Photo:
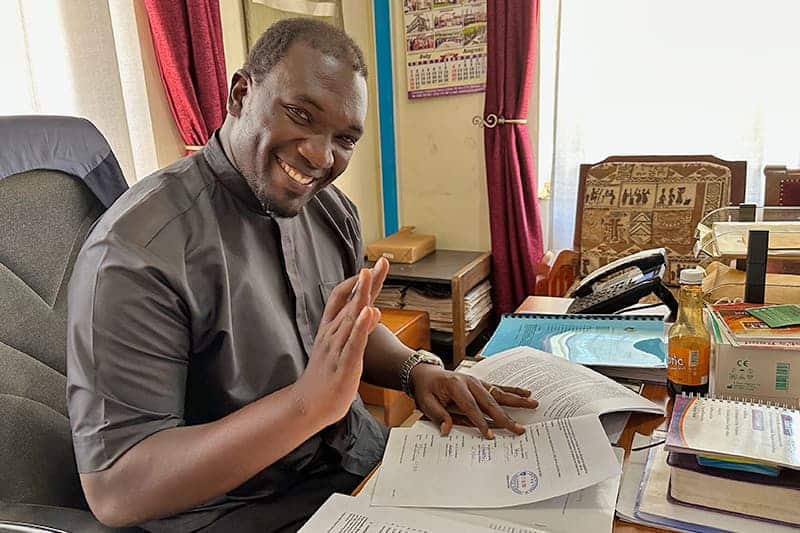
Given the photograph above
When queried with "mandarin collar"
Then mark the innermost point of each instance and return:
(229, 176)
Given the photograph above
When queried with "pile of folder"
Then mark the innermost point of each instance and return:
(391, 296)
(437, 301)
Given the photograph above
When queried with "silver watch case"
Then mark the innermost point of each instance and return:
(418, 357)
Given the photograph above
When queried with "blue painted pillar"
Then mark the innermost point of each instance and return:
(383, 52)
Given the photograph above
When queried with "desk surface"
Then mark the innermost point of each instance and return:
(638, 423)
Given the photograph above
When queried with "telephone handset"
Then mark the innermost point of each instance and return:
(624, 282)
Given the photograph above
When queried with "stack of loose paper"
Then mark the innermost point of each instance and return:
(477, 304)
(437, 301)
(561, 475)
(391, 296)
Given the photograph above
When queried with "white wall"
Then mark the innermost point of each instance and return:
(440, 165)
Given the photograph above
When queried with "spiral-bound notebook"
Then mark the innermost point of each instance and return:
(616, 345)
(743, 430)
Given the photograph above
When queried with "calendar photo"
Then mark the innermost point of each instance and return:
(445, 46)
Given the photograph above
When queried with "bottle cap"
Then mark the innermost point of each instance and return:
(692, 276)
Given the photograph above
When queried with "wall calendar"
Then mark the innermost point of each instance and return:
(445, 46)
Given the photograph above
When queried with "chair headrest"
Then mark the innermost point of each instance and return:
(68, 144)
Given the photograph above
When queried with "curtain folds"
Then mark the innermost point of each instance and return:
(511, 181)
(187, 37)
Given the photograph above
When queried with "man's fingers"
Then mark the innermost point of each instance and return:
(379, 273)
(466, 403)
(338, 299)
(511, 396)
(512, 400)
(352, 354)
(435, 411)
(341, 325)
(525, 393)
(489, 405)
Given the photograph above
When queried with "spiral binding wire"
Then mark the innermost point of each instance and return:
(741, 400)
(584, 316)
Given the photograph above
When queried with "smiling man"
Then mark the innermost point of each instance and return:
(220, 319)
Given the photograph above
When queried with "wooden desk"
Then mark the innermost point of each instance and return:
(457, 270)
(638, 423)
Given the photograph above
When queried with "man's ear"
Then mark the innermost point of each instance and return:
(240, 88)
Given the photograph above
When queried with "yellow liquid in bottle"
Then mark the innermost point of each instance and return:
(689, 346)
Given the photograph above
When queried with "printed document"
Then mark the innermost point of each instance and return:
(346, 514)
(421, 468)
(564, 389)
(589, 509)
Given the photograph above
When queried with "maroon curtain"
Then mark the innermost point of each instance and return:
(513, 205)
(187, 37)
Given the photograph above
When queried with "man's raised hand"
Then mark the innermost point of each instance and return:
(330, 381)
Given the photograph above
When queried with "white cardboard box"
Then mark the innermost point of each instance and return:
(760, 373)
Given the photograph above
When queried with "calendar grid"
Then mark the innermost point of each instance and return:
(445, 47)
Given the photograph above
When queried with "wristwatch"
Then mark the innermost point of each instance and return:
(420, 356)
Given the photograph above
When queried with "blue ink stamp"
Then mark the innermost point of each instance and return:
(523, 482)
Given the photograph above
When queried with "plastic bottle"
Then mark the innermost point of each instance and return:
(689, 344)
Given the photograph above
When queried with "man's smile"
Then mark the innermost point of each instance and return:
(293, 173)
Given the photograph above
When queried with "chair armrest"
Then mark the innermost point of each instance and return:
(24, 518)
(556, 272)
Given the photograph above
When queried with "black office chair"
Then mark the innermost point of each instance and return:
(57, 176)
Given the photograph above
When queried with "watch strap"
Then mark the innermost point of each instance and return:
(419, 356)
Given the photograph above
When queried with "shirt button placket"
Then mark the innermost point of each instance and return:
(301, 314)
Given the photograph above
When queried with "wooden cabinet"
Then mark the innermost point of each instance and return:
(413, 330)
(459, 271)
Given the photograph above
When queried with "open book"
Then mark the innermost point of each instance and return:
(738, 430)
(564, 389)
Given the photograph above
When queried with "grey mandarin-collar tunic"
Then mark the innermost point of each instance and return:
(188, 302)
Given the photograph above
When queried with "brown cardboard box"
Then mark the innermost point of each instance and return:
(405, 246)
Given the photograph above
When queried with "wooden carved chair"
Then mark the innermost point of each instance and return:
(626, 204)
(556, 272)
(782, 189)
(781, 186)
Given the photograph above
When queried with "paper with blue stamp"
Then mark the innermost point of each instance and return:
(421, 468)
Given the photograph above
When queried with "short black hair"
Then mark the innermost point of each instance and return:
(275, 42)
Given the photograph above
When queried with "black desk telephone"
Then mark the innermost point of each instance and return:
(624, 282)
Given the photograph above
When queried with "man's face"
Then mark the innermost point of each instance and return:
(294, 132)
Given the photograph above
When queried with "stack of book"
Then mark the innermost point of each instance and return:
(724, 465)
(741, 326)
(753, 358)
(736, 457)
(436, 301)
